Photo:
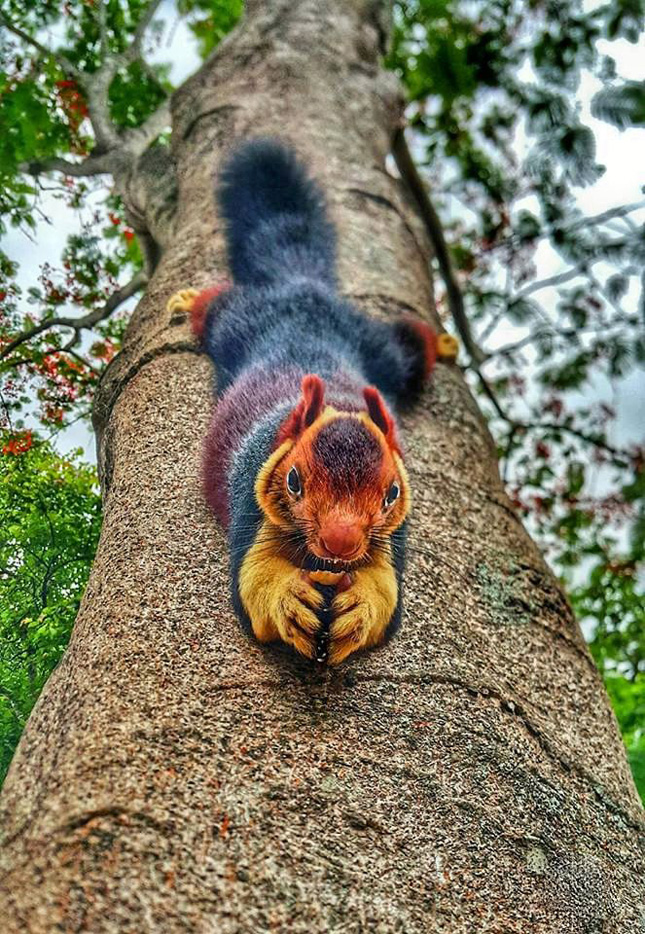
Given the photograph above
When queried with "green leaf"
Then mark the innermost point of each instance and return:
(623, 106)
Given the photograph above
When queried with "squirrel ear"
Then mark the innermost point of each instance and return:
(309, 407)
(377, 411)
(313, 397)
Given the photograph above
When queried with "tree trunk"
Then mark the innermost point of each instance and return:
(177, 777)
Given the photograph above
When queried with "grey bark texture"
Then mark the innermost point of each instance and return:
(176, 777)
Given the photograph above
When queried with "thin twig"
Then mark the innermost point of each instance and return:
(593, 221)
(620, 457)
(489, 393)
(78, 324)
(410, 174)
(605, 216)
(62, 60)
(134, 49)
(508, 450)
(102, 18)
(558, 279)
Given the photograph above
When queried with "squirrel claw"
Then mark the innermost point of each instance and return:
(181, 301)
(295, 615)
(361, 612)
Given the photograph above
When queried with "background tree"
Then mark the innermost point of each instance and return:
(114, 782)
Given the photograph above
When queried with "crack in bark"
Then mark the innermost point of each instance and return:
(515, 710)
(103, 409)
(431, 786)
(82, 820)
(222, 108)
(390, 205)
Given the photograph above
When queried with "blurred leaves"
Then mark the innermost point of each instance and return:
(51, 511)
(623, 106)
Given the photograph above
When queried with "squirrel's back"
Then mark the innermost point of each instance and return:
(276, 220)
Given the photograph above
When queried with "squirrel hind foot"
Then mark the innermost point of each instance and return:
(196, 304)
(181, 301)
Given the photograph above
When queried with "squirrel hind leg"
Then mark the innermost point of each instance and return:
(200, 308)
(419, 343)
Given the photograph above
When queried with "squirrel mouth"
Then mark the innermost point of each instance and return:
(314, 563)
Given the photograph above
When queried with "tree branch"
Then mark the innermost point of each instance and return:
(558, 279)
(620, 457)
(93, 165)
(134, 50)
(102, 18)
(97, 86)
(139, 138)
(410, 174)
(79, 324)
(62, 60)
(594, 221)
(488, 392)
(605, 216)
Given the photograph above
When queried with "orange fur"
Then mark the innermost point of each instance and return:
(430, 342)
(322, 505)
(199, 309)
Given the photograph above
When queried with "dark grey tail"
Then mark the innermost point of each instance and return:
(276, 221)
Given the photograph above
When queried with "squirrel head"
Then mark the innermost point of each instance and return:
(336, 478)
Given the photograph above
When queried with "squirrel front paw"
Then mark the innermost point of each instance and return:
(280, 601)
(361, 613)
(294, 605)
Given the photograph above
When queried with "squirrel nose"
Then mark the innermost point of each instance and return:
(341, 539)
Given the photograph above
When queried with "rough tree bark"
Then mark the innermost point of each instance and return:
(175, 777)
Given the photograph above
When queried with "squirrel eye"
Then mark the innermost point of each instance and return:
(392, 495)
(293, 482)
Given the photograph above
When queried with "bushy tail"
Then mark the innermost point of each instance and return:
(276, 222)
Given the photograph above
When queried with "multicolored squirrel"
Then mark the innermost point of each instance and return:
(302, 462)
